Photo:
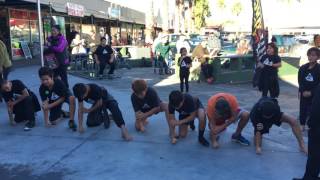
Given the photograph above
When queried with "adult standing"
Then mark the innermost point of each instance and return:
(202, 54)
(104, 55)
(5, 62)
(59, 45)
(313, 163)
(162, 52)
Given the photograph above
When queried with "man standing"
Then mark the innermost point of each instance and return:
(313, 163)
(5, 62)
(162, 52)
(201, 54)
(104, 55)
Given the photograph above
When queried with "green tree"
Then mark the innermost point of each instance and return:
(221, 4)
(201, 10)
(237, 8)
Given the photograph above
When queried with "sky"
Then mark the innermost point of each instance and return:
(276, 14)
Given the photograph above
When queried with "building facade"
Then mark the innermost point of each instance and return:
(91, 19)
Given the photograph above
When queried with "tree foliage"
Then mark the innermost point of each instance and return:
(201, 10)
(221, 4)
(237, 8)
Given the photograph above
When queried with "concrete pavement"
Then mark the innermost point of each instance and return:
(58, 153)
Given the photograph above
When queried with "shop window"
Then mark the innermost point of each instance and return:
(20, 32)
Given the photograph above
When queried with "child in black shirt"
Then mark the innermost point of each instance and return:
(189, 108)
(21, 102)
(308, 78)
(101, 100)
(184, 63)
(265, 113)
(53, 94)
(145, 102)
(268, 81)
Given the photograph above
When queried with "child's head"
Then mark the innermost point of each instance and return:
(103, 41)
(5, 86)
(183, 51)
(176, 99)
(316, 39)
(139, 88)
(272, 49)
(80, 91)
(223, 109)
(46, 76)
(313, 54)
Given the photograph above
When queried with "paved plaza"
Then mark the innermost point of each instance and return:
(58, 153)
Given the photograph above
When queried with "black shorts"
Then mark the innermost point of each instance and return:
(56, 112)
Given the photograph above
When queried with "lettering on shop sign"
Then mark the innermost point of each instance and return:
(26, 50)
(75, 9)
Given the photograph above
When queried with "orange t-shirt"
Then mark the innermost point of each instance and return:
(232, 100)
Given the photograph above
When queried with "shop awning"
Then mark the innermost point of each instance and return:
(96, 8)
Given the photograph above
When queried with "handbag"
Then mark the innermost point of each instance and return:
(51, 61)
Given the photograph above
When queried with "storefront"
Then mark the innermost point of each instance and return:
(92, 20)
(23, 27)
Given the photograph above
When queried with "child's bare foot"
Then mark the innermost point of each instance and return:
(174, 140)
(258, 151)
(303, 149)
(127, 137)
(215, 144)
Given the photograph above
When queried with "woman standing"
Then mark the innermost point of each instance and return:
(270, 63)
(59, 45)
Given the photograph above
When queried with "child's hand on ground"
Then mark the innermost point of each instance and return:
(258, 151)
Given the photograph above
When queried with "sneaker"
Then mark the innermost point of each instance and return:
(29, 125)
(72, 125)
(240, 139)
(203, 141)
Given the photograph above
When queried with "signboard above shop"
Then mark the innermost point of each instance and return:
(114, 12)
(75, 9)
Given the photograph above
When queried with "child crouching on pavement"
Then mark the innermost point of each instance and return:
(101, 100)
(189, 108)
(53, 94)
(21, 102)
(146, 103)
(265, 113)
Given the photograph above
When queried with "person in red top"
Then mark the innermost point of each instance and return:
(223, 110)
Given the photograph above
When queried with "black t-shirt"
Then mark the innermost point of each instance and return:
(96, 93)
(189, 106)
(268, 59)
(150, 101)
(314, 121)
(184, 63)
(16, 91)
(104, 53)
(261, 124)
(308, 78)
(58, 91)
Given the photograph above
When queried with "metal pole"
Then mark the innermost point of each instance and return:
(40, 32)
